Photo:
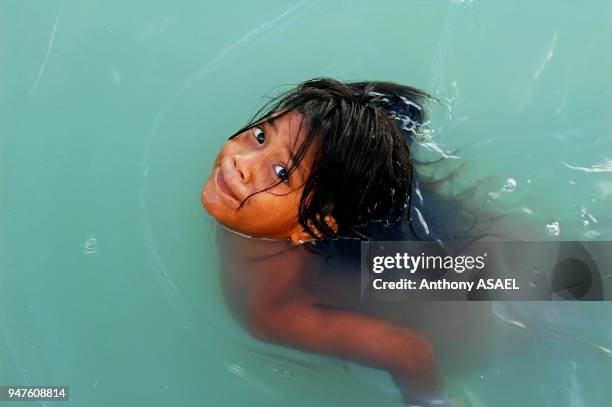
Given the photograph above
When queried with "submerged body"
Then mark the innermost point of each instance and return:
(269, 275)
(282, 294)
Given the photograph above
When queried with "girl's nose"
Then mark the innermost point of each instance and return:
(242, 165)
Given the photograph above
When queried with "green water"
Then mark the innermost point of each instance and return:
(111, 114)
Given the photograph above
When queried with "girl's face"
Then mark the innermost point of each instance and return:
(251, 163)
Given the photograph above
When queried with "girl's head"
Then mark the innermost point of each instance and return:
(322, 160)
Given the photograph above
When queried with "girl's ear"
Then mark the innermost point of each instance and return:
(300, 235)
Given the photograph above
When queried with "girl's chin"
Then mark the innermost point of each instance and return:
(210, 197)
(207, 199)
(216, 208)
(213, 207)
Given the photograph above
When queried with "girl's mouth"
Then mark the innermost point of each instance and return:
(223, 187)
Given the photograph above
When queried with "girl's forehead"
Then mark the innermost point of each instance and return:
(296, 126)
(290, 126)
(291, 121)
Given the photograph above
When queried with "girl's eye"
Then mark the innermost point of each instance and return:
(281, 173)
(259, 135)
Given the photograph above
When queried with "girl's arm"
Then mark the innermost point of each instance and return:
(301, 323)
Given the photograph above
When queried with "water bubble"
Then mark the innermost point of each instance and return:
(585, 213)
(510, 185)
(288, 373)
(91, 245)
(553, 229)
(529, 181)
(585, 223)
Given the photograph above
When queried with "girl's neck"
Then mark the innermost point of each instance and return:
(251, 248)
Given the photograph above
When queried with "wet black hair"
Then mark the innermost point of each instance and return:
(359, 133)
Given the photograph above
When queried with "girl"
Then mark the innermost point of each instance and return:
(324, 161)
